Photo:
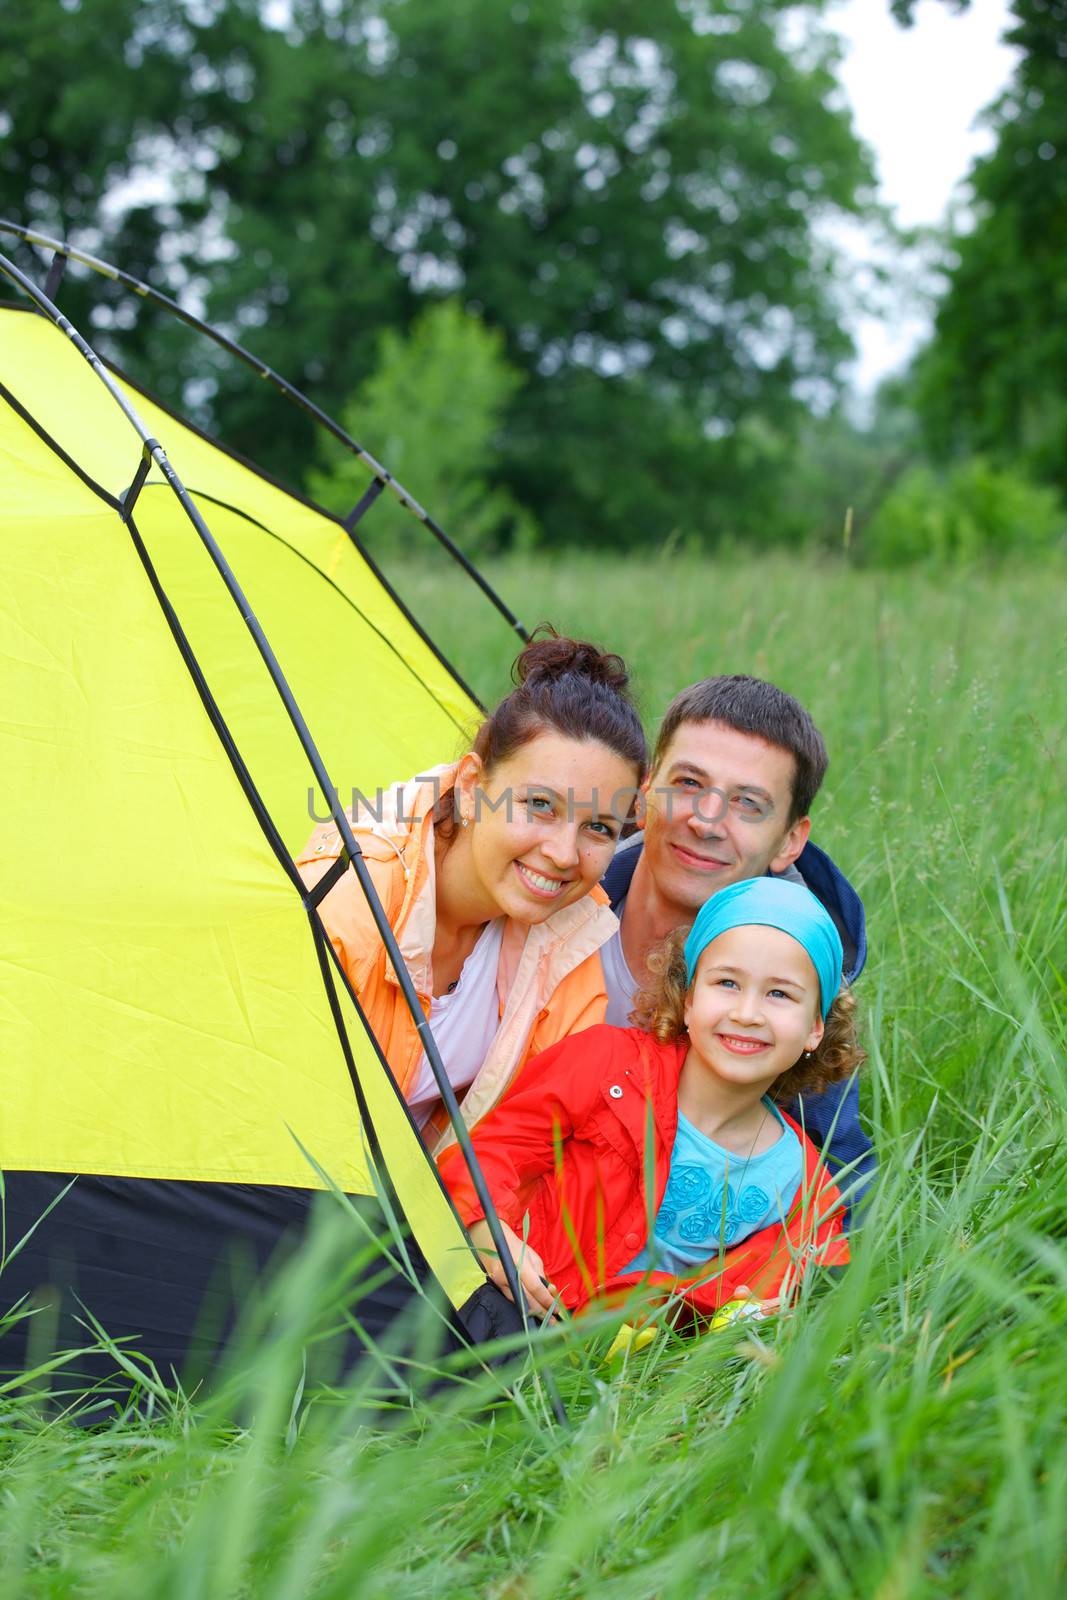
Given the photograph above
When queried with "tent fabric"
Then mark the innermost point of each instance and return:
(167, 1008)
(381, 703)
(132, 1251)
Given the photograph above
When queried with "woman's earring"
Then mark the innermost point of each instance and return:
(465, 821)
(807, 1053)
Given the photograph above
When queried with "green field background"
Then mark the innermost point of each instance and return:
(901, 1433)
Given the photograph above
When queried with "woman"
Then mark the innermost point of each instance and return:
(487, 870)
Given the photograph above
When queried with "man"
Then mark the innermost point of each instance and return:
(736, 767)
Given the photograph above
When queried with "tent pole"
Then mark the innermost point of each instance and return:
(144, 291)
(151, 448)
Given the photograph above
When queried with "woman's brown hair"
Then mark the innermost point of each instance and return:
(572, 686)
(567, 684)
(659, 1008)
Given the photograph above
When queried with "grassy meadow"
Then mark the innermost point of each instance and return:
(902, 1433)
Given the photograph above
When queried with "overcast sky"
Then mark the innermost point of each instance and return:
(915, 94)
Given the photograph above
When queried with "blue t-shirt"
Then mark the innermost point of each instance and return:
(715, 1198)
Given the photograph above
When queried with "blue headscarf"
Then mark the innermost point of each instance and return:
(772, 903)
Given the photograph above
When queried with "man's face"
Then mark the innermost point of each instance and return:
(716, 812)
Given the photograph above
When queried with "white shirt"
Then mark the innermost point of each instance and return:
(619, 981)
(464, 1024)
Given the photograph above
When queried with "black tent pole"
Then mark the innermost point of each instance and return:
(153, 450)
(379, 474)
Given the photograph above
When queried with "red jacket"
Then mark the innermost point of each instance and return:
(566, 1145)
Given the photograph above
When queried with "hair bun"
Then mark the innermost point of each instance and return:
(552, 655)
(571, 687)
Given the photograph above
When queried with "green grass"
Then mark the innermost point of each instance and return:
(900, 1434)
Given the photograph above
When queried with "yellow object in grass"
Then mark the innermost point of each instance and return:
(631, 1339)
(735, 1311)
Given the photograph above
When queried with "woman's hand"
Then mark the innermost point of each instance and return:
(540, 1295)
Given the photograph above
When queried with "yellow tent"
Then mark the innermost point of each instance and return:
(173, 1021)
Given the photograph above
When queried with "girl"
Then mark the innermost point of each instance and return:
(743, 1013)
(487, 871)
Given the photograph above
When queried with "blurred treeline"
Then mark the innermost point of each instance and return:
(566, 266)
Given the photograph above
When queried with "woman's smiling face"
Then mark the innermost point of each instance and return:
(544, 823)
(753, 1008)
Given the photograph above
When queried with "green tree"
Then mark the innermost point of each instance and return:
(904, 10)
(994, 378)
(87, 113)
(437, 436)
(631, 194)
(972, 511)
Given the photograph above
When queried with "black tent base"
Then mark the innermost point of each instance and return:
(198, 1278)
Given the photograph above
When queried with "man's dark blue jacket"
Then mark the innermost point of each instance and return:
(833, 1117)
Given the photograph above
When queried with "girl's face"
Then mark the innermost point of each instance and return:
(753, 1007)
(541, 825)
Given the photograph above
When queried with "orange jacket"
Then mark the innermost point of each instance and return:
(549, 982)
(602, 1096)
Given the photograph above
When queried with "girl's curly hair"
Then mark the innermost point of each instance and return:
(659, 1008)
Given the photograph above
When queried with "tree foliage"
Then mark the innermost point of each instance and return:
(973, 511)
(630, 194)
(904, 10)
(994, 378)
(437, 435)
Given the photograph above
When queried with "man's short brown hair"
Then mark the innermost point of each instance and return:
(749, 705)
